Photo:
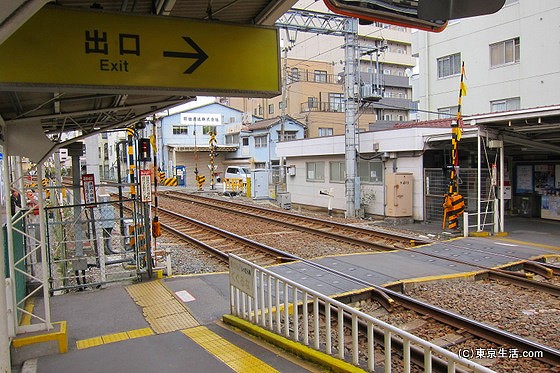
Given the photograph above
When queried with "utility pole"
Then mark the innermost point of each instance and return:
(289, 42)
(352, 183)
(330, 24)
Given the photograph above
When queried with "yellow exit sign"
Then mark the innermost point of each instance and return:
(94, 50)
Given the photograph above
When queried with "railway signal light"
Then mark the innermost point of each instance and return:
(144, 150)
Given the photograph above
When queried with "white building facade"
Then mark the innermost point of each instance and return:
(316, 165)
(511, 61)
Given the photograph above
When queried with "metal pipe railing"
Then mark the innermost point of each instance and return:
(271, 301)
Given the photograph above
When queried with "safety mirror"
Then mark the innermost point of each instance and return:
(430, 15)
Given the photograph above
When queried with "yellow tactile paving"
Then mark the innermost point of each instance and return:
(161, 309)
(140, 333)
(87, 343)
(111, 338)
(231, 355)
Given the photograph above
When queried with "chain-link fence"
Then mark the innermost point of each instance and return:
(90, 245)
(436, 186)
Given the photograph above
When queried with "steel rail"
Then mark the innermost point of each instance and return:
(275, 215)
(490, 333)
(277, 256)
(550, 355)
(282, 256)
(524, 282)
(416, 354)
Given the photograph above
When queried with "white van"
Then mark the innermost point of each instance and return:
(237, 172)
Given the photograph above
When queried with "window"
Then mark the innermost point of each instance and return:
(260, 141)
(312, 102)
(370, 171)
(288, 135)
(180, 130)
(336, 102)
(386, 71)
(447, 112)
(505, 104)
(320, 76)
(294, 76)
(271, 109)
(449, 65)
(206, 130)
(325, 132)
(232, 139)
(245, 141)
(504, 52)
(315, 171)
(260, 110)
(337, 171)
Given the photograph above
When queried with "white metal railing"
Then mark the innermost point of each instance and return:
(485, 219)
(271, 301)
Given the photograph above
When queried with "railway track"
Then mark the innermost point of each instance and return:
(468, 326)
(365, 238)
(463, 324)
(219, 242)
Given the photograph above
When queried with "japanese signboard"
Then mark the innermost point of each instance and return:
(145, 185)
(88, 185)
(94, 49)
(241, 276)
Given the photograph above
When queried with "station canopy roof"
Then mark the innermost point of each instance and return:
(60, 111)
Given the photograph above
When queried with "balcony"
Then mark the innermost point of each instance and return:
(386, 80)
(312, 76)
(392, 103)
(325, 107)
(331, 107)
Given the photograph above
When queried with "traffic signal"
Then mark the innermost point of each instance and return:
(144, 150)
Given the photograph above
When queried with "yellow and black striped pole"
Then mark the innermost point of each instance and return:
(212, 143)
(454, 204)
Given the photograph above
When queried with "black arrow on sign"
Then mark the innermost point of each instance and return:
(199, 55)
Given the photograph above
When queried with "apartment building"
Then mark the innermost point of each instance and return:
(512, 77)
(511, 61)
(314, 76)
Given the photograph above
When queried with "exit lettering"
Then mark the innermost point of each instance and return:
(119, 66)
